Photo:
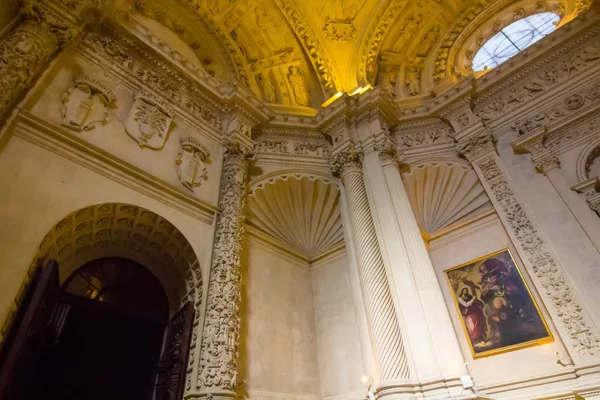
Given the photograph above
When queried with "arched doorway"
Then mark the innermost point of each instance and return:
(92, 324)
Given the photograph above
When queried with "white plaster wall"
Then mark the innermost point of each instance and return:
(278, 352)
(341, 365)
(38, 188)
(473, 241)
(45, 102)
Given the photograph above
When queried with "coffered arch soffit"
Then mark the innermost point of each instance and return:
(124, 230)
(301, 209)
(444, 191)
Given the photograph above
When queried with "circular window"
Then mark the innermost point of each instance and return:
(514, 38)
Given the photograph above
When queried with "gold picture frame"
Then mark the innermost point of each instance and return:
(497, 311)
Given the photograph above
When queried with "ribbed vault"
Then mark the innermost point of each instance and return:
(444, 193)
(301, 211)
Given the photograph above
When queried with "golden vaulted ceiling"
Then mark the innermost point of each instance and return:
(297, 54)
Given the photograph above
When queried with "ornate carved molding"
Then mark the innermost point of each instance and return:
(502, 99)
(477, 145)
(220, 338)
(549, 273)
(346, 161)
(191, 163)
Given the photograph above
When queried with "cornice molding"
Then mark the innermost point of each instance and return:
(40, 132)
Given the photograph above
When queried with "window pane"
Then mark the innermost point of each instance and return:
(514, 38)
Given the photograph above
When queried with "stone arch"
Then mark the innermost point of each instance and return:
(122, 230)
(586, 158)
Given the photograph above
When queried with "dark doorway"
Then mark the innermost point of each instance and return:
(108, 328)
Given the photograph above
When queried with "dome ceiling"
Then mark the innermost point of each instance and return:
(302, 212)
(297, 54)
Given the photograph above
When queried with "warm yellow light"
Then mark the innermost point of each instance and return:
(361, 90)
(332, 99)
(365, 379)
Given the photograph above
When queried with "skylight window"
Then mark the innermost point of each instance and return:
(514, 38)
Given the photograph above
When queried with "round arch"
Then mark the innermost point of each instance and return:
(585, 159)
(127, 231)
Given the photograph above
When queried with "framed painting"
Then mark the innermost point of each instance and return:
(495, 306)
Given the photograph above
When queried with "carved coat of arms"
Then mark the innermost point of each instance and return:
(191, 163)
(86, 103)
(148, 122)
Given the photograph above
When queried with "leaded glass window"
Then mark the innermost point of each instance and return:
(514, 38)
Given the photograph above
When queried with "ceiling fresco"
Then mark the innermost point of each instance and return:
(294, 55)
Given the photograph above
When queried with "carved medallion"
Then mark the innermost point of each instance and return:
(86, 103)
(191, 163)
(148, 123)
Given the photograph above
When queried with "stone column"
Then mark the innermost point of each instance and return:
(571, 318)
(217, 373)
(384, 328)
(588, 220)
(443, 338)
(25, 51)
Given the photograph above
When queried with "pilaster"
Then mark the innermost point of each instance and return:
(572, 321)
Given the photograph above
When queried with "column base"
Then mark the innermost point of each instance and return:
(435, 390)
(212, 394)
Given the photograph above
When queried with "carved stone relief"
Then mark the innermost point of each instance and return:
(546, 79)
(574, 319)
(86, 103)
(299, 88)
(148, 122)
(191, 163)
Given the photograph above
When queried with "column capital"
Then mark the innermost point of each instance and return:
(546, 163)
(346, 160)
(477, 145)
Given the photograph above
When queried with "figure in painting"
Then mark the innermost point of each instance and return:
(299, 88)
(407, 33)
(269, 27)
(496, 308)
(428, 41)
(471, 309)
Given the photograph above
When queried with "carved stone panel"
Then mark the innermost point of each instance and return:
(191, 163)
(86, 103)
(148, 123)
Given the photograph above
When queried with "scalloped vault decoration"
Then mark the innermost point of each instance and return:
(300, 211)
(443, 193)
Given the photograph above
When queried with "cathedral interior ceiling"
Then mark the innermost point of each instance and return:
(299, 54)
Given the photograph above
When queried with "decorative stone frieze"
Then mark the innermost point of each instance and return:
(494, 104)
(137, 69)
(218, 371)
(547, 163)
(86, 103)
(191, 163)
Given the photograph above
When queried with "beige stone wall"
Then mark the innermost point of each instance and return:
(341, 365)
(45, 102)
(40, 187)
(278, 349)
(523, 367)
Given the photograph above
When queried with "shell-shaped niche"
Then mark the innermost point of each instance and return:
(442, 194)
(302, 212)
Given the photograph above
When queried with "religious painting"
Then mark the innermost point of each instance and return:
(496, 308)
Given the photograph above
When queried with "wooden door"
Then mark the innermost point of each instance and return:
(35, 330)
(171, 371)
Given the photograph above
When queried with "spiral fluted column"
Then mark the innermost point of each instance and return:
(384, 327)
(443, 338)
